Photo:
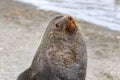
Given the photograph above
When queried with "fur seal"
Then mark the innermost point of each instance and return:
(61, 55)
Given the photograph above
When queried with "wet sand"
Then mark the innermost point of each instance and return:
(22, 27)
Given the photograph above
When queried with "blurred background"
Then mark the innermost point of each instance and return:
(23, 22)
(102, 12)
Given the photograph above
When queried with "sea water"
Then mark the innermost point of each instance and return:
(102, 12)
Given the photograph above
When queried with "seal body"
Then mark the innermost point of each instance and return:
(61, 55)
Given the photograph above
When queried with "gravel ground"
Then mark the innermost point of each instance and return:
(22, 27)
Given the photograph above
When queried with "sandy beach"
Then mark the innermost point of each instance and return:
(21, 29)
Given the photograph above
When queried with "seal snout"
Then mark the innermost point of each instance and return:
(70, 24)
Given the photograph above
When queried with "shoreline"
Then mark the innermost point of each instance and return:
(22, 26)
(96, 16)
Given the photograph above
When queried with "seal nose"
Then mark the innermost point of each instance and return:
(70, 18)
(70, 24)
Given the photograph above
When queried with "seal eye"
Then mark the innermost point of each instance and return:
(57, 25)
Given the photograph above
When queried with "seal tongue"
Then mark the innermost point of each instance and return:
(70, 24)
